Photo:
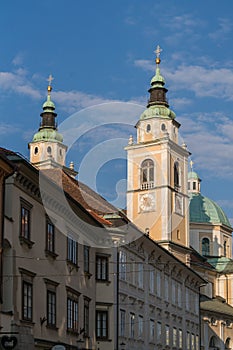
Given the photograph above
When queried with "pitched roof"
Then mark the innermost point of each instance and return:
(216, 305)
(91, 201)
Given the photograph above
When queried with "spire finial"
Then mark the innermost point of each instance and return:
(50, 79)
(158, 52)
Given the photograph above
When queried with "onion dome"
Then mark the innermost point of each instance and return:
(158, 105)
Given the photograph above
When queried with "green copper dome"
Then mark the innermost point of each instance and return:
(193, 175)
(47, 134)
(205, 210)
(48, 104)
(157, 78)
(158, 111)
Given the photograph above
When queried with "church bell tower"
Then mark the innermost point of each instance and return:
(47, 150)
(157, 194)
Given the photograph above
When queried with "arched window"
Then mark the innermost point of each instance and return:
(225, 248)
(176, 175)
(205, 246)
(147, 174)
(228, 343)
(213, 343)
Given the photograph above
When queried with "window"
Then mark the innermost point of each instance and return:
(174, 337)
(179, 297)
(148, 128)
(180, 339)
(140, 275)
(188, 341)
(166, 288)
(192, 342)
(176, 175)
(205, 246)
(147, 174)
(27, 294)
(72, 311)
(86, 251)
(140, 326)
(25, 221)
(173, 292)
(187, 298)
(27, 301)
(152, 281)
(197, 342)
(152, 330)
(158, 283)
(51, 308)
(101, 268)
(101, 324)
(159, 332)
(72, 251)
(122, 265)
(225, 248)
(122, 323)
(167, 335)
(194, 186)
(133, 270)
(51, 302)
(86, 317)
(131, 324)
(50, 237)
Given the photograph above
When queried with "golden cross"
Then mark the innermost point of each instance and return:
(50, 79)
(158, 51)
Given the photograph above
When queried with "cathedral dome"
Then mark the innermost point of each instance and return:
(47, 134)
(159, 112)
(205, 210)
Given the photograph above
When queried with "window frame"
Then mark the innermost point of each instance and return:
(29, 308)
(102, 331)
(86, 316)
(72, 251)
(50, 238)
(102, 268)
(86, 259)
(51, 308)
(147, 174)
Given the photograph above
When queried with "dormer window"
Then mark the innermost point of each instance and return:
(147, 174)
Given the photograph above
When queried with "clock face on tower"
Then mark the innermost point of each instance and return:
(147, 202)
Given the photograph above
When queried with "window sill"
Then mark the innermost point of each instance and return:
(28, 322)
(104, 339)
(72, 332)
(53, 327)
(50, 254)
(107, 282)
(72, 265)
(26, 241)
(87, 274)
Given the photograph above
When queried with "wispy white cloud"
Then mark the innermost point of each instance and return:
(19, 82)
(223, 31)
(6, 129)
(212, 147)
(204, 82)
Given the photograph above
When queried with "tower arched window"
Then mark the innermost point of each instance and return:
(147, 174)
(176, 175)
(225, 248)
(205, 246)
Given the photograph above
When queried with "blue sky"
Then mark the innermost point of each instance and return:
(102, 52)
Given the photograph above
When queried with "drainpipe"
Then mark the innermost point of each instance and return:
(117, 301)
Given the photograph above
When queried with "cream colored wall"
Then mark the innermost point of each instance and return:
(35, 260)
